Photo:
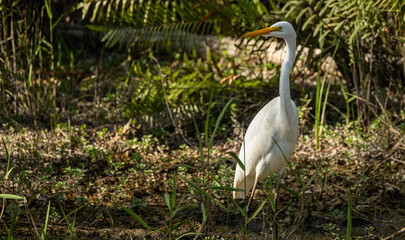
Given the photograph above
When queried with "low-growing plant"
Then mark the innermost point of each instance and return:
(170, 200)
(70, 223)
(331, 231)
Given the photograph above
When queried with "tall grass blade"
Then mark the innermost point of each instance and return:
(221, 115)
(179, 224)
(229, 189)
(173, 192)
(271, 188)
(10, 196)
(318, 100)
(167, 200)
(72, 227)
(64, 217)
(186, 234)
(77, 209)
(9, 168)
(258, 210)
(43, 236)
(294, 193)
(203, 212)
(314, 175)
(136, 217)
(30, 76)
(241, 210)
(349, 216)
(321, 100)
(199, 140)
(325, 102)
(207, 120)
(179, 209)
(48, 8)
(289, 164)
(204, 192)
(240, 163)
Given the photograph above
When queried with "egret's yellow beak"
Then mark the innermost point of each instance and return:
(263, 31)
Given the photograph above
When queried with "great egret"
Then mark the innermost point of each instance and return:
(275, 122)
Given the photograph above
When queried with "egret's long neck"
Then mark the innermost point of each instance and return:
(286, 67)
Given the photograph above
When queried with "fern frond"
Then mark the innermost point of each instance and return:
(180, 34)
(169, 22)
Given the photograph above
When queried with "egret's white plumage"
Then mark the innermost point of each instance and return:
(277, 120)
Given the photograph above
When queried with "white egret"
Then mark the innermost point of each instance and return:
(277, 121)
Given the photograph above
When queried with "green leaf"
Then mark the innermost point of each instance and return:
(173, 191)
(74, 211)
(8, 173)
(97, 28)
(10, 196)
(57, 21)
(221, 115)
(208, 55)
(199, 139)
(229, 189)
(187, 61)
(337, 27)
(297, 195)
(43, 40)
(288, 163)
(258, 210)
(167, 200)
(48, 8)
(402, 39)
(351, 99)
(179, 224)
(314, 175)
(304, 26)
(349, 216)
(43, 235)
(178, 209)
(203, 212)
(208, 75)
(241, 165)
(241, 210)
(9, 168)
(302, 12)
(205, 193)
(318, 27)
(318, 6)
(322, 37)
(95, 11)
(366, 36)
(325, 8)
(30, 76)
(207, 120)
(137, 218)
(72, 226)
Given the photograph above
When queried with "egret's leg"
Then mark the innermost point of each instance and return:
(251, 196)
(279, 176)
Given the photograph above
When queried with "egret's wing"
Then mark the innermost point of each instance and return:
(258, 139)
(257, 143)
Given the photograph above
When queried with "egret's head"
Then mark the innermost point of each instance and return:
(281, 29)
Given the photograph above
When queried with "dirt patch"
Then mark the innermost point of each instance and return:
(94, 171)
